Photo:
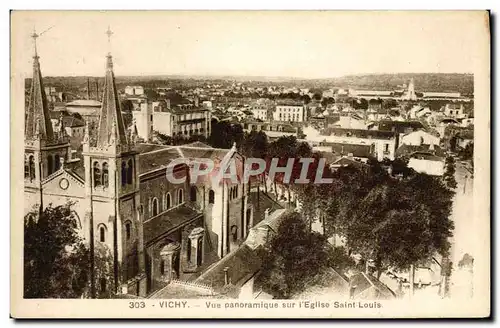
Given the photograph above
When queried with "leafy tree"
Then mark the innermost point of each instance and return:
(449, 173)
(56, 261)
(317, 96)
(294, 257)
(224, 134)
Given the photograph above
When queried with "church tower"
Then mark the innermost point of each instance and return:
(112, 187)
(45, 151)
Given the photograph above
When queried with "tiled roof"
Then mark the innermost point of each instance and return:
(160, 158)
(168, 221)
(346, 161)
(358, 133)
(357, 150)
(400, 126)
(363, 282)
(242, 264)
(408, 150)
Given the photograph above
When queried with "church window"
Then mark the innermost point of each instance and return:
(211, 196)
(124, 174)
(105, 174)
(128, 228)
(97, 174)
(26, 169)
(168, 201)
(50, 164)
(234, 233)
(181, 196)
(162, 267)
(130, 170)
(193, 194)
(102, 234)
(57, 162)
(189, 249)
(156, 208)
(31, 164)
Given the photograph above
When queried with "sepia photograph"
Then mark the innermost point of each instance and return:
(250, 164)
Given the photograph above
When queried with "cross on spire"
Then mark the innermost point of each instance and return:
(35, 36)
(109, 33)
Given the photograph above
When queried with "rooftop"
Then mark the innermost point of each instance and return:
(84, 103)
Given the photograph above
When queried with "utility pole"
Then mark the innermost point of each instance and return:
(412, 280)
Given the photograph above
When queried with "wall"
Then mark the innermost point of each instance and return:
(416, 138)
(427, 166)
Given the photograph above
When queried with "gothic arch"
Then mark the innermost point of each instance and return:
(105, 174)
(97, 174)
(130, 171)
(102, 231)
(211, 196)
(180, 196)
(50, 164)
(193, 193)
(155, 210)
(168, 200)
(128, 229)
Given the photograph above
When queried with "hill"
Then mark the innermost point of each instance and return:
(431, 82)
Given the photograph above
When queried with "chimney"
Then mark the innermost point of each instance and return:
(88, 88)
(168, 103)
(226, 276)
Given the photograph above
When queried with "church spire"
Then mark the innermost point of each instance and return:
(111, 128)
(38, 109)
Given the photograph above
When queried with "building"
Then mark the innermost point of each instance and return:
(410, 92)
(383, 143)
(273, 130)
(154, 230)
(429, 159)
(454, 110)
(262, 109)
(88, 109)
(183, 119)
(290, 111)
(419, 137)
(134, 90)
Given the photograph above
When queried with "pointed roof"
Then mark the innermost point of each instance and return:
(111, 128)
(37, 113)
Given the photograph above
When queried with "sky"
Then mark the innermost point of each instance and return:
(306, 44)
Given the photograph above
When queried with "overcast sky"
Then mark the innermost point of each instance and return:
(299, 44)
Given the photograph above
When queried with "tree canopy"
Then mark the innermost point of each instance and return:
(56, 260)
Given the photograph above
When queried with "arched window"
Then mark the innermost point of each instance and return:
(31, 164)
(102, 233)
(180, 196)
(211, 196)
(192, 195)
(97, 174)
(130, 171)
(26, 168)
(124, 174)
(234, 233)
(189, 249)
(128, 230)
(156, 208)
(50, 164)
(168, 201)
(57, 162)
(105, 174)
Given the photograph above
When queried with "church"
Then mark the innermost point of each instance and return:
(155, 231)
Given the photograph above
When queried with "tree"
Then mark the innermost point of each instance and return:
(294, 257)
(317, 96)
(449, 173)
(56, 260)
(224, 134)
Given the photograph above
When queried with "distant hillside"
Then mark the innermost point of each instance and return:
(431, 82)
